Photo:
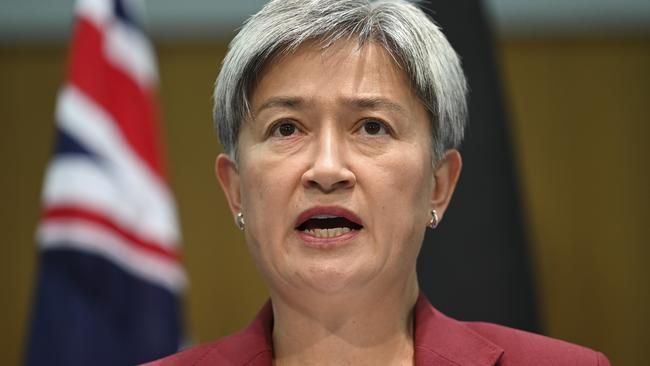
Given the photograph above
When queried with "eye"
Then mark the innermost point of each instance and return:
(283, 129)
(374, 127)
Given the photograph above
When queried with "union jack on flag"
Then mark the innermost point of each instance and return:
(109, 276)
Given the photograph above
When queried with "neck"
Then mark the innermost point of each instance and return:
(373, 328)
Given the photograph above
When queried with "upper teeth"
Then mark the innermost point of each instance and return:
(324, 217)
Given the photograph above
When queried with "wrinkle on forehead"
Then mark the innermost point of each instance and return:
(371, 58)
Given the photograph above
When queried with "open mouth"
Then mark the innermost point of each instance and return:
(328, 226)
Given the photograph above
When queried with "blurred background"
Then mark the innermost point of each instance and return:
(575, 82)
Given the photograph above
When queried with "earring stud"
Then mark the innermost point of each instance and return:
(241, 223)
(434, 219)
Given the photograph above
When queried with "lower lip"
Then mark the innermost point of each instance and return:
(327, 243)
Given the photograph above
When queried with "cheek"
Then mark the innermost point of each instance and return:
(400, 189)
(407, 179)
(263, 228)
(262, 191)
(267, 188)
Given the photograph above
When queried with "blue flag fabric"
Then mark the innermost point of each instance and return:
(110, 278)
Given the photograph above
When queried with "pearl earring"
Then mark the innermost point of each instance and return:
(434, 219)
(241, 223)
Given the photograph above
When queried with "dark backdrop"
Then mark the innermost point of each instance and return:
(475, 265)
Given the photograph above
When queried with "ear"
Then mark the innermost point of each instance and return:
(446, 176)
(228, 175)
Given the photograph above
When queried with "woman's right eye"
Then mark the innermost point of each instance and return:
(284, 129)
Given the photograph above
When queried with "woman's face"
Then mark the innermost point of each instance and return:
(335, 178)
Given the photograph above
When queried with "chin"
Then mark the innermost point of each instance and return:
(335, 278)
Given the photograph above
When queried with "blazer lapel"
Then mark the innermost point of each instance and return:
(251, 347)
(440, 340)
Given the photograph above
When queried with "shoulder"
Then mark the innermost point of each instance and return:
(190, 356)
(251, 346)
(237, 349)
(524, 348)
(453, 342)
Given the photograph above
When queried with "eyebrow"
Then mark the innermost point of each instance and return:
(282, 102)
(371, 103)
(375, 103)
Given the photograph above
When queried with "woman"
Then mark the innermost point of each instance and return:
(340, 120)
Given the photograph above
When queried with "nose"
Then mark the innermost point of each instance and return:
(329, 170)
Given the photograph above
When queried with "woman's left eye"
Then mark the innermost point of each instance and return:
(374, 127)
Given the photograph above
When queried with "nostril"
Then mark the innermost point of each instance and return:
(331, 183)
(328, 179)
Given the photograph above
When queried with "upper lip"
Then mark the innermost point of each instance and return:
(330, 211)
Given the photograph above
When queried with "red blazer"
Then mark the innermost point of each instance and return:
(439, 341)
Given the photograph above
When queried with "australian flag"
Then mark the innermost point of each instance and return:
(109, 276)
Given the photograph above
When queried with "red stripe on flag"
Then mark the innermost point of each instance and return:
(80, 213)
(132, 107)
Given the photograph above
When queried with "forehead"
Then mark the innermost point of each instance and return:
(343, 70)
(346, 50)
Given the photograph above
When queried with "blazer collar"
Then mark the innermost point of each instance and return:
(439, 340)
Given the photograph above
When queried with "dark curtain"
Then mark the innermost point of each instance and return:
(475, 265)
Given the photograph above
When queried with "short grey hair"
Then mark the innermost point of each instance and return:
(400, 27)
